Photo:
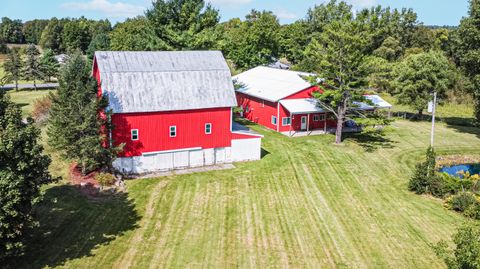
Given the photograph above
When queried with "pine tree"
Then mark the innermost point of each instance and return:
(12, 67)
(337, 55)
(32, 65)
(101, 42)
(75, 119)
(49, 66)
(23, 169)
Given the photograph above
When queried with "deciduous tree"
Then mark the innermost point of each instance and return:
(467, 50)
(419, 75)
(135, 35)
(183, 24)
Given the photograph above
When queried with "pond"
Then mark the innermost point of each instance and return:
(454, 170)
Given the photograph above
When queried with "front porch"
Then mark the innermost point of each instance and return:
(321, 132)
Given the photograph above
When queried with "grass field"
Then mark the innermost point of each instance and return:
(25, 99)
(307, 203)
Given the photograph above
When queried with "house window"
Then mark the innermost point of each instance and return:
(247, 109)
(319, 117)
(208, 128)
(134, 134)
(274, 120)
(286, 121)
(173, 131)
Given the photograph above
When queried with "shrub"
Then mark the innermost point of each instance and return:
(462, 201)
(41, 109)
(105, 179)
(473, 211)
(466, 253)
(425, 179)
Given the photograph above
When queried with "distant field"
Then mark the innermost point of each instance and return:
(25, 99)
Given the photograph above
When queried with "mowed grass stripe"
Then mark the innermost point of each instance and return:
(307, 204)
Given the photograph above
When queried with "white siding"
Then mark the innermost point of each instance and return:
(241, 150)
(246, 149)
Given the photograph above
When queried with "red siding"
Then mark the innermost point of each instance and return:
(260, 111)
(307, 93)
(153, 129)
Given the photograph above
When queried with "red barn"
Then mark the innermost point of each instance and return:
(172, 110)
(282, 100)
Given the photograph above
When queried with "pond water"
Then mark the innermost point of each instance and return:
(454, 170)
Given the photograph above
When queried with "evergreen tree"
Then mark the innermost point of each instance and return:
(337, 55)
(13, 67)
(23, 170)
(32, 69)
(75, 120)
(101, 42)
(424, 175)
(49, 66)
(3, 46)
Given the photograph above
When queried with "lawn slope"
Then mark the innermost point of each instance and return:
(307, 203)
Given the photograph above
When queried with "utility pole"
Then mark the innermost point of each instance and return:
(434, 108)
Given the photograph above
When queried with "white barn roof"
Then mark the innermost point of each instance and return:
(297, 106)
(270, 83)
(165, 81)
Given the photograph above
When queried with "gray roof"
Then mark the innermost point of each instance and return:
(165, 81)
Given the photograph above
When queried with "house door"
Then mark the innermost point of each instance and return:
(304, 123)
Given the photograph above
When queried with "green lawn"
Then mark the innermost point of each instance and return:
(26, 99)
(307, 203)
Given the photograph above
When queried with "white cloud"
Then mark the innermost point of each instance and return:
(285, 15)
(229, 2)
(111, 9)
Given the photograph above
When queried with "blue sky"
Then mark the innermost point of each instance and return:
(438, 12)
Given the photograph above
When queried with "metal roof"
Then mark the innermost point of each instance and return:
(270, 83)
(378, 101)
(297, 106)
(311, 105)
(165, 81)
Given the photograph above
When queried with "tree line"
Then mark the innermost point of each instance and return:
(28, 64)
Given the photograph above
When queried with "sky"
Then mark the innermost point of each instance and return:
(430, 12)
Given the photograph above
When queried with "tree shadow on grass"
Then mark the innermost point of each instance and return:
(370, 141)
(72, 226)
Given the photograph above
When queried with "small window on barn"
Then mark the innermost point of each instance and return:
(263, 103)
(208, 128)
(134, 134)
(286, 121)
(322, 117)
(316, 117)
(274, 120)
(173, 131)
(247, 109)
